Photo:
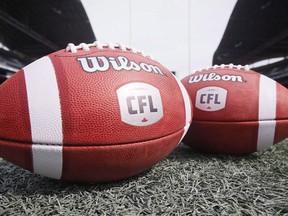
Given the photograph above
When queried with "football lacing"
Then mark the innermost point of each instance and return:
(86, 47)
(230, 66)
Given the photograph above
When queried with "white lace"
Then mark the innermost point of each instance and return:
(230, 66)
(86, 47)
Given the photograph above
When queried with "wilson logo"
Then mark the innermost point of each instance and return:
(140, 104)
(215, 77)
(103, 64)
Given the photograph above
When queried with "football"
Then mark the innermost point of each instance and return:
(92, 113)
(235, 110)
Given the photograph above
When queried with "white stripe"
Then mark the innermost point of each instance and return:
(187, 105)
(186, 127)
(45, 117)
(267, 113)
(47, 160)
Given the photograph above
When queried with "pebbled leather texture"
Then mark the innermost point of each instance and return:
(235, 111)
(60, 116)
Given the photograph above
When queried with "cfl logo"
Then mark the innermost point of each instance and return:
(211, 98)
(140, 104)
(137, 104)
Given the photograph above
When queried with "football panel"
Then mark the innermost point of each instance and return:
(89, 163)
(225, 100)
(14, 115)
(18, 154)
(223, 137)
(235, 137)
(281, 131)
(109, 163)
(90, 106)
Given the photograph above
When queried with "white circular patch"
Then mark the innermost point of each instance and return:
(140, 104)
(211, 98)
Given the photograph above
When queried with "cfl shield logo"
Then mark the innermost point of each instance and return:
(211, 98)
(140, 104)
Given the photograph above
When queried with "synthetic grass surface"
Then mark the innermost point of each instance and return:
(185, 183)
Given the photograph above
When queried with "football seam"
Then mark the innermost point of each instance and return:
(197, 120)
(101, 145)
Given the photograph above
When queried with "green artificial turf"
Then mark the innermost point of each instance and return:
(185, 183)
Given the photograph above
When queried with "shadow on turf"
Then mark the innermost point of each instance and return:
(183, 152)
(18, 181)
